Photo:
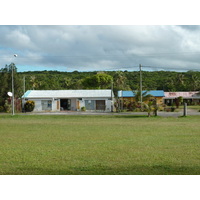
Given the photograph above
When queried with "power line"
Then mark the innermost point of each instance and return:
(91, 56)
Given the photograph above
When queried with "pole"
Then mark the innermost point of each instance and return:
(119, 100)
(24, 84)
(23, 100)
(185, 110)
(13, 96)
(13, 99)
(141, 84)
(111, 96)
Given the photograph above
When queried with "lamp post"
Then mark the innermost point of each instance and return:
(13, 98)
(112, 96)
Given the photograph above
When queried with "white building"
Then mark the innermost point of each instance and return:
(74, 100)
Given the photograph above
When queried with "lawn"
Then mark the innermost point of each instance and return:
(99, 145)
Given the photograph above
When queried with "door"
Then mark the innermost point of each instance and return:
(100, 105)
(65, 104)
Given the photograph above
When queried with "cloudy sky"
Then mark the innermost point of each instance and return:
(89, 48)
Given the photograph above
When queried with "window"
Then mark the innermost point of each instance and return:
(46, 104)
(90, 104)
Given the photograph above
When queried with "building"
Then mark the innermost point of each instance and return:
(188, 97)
(129, 95)
(70, 100)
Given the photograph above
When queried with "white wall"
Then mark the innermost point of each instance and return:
(107, 102)
(54, 105)
(38, 104)
(73, 104)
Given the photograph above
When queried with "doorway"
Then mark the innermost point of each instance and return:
(65, 104)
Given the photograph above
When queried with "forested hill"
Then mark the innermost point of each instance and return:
(122, 80)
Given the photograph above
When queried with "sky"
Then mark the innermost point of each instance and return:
(100, 47)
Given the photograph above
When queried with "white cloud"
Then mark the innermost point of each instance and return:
(101, 47)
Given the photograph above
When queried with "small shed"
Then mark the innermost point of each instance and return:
(70, 100)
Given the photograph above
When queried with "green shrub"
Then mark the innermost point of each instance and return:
(173, 109)
(1, 109)
(83, 108)
(29, 106)
(7, 106)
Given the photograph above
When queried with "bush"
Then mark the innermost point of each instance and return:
(7, 106)
(172, 109)
(29, 106)
(1, 109)
(83, 108)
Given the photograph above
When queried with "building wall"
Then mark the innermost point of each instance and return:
(189, 101)
(160, 100)
(40, 102)
(107, 102)
(38, 105)
(132, 99)
(76, 104)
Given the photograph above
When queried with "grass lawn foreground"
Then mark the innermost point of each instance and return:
(76, 145)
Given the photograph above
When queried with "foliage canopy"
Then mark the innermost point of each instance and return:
(121, 80)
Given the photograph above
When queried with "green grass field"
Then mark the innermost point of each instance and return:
(99, 145)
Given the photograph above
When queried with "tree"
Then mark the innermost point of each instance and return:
(145, 96)
(98, 81)
(151, 106)
(148, 107)
(120, 81)
(178, 101)
(180, 82)
(156, 106)
(6, 83)
(195, 82)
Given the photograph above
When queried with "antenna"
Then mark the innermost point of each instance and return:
(9, 94)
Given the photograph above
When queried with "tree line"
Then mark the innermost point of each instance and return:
(118, 80)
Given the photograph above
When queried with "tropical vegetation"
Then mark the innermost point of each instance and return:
(118, 80)
(29, 106)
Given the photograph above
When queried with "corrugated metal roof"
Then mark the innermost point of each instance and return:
(66, 93)
(155, 93)
(182, 94)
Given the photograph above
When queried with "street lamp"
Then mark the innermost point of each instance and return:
(13, 99)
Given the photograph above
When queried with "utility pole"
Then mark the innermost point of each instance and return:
(13, 97)
(112, 96)
(24, 84)
(140, 84)
(23, 100)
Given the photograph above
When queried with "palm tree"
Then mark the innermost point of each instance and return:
(120, 81)
(195, 82)
(145, 96)
(151, 106)
(148, 107)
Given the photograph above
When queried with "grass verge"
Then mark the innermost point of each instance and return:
(99, 145)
